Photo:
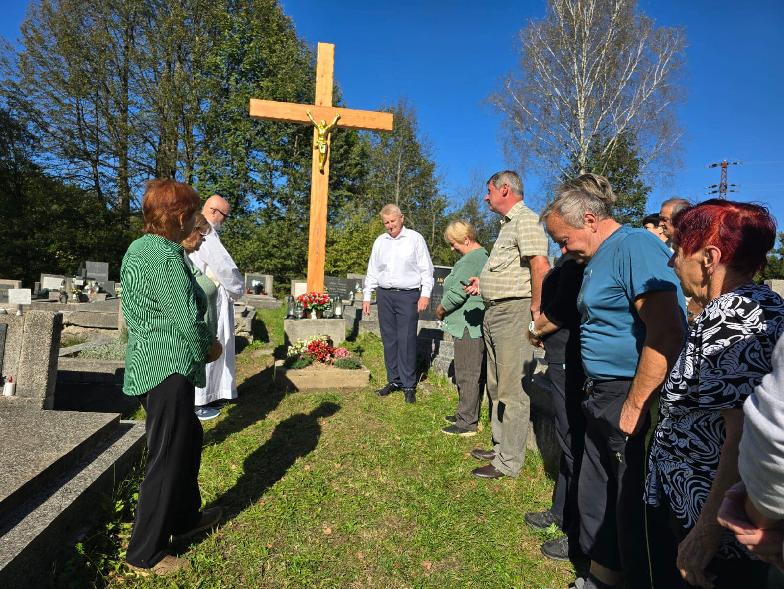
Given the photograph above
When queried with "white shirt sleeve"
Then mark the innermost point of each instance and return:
(425, 265)
(214, 256)
(371, 276)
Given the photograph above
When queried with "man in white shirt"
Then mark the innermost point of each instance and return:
(214, 261)
(401, 273)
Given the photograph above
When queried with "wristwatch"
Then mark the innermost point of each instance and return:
(532, 330)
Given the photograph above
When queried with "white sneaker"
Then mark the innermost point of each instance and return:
(205, 413)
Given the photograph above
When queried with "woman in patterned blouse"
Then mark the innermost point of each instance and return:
(719, 246)
(168, 346)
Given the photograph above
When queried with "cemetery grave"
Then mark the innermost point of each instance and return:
(56, 464)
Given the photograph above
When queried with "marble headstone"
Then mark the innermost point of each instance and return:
(5, 286)
(254, 280)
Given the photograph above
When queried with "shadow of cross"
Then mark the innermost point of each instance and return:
(292, 438)
(319, 114)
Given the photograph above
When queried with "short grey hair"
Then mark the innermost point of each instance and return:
(677, 203)
(508, 177)
(390, 209)
(588, 193)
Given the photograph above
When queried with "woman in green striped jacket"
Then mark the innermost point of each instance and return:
(168, 346)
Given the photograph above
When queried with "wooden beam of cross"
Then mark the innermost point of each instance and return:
(324, 113)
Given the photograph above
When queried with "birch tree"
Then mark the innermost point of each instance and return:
(591, 72)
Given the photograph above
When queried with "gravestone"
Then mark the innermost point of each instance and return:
(96, 271)
(357, 277)
(776, 286)
(439, 274)
(298, 287)
(52, 281)
(5, 286)
(108, 286)
(339, 288)
(254, 280)
(30, 355)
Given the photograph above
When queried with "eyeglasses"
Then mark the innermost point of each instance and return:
(225, 215)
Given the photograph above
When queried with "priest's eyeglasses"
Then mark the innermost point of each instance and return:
(216, 210)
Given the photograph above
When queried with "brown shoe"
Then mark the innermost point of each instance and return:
(209, 519)
(487, 472)
(168, 565)
(480, 454)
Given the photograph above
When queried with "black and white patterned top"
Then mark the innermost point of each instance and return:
(726, 354)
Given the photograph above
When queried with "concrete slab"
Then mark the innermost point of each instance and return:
(320, 377)
(299, 329)
(39, 444)
(33, 539)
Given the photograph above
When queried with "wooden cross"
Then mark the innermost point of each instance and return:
(322, 110)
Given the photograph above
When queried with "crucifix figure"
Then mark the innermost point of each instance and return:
(322, 140)
(321, 111)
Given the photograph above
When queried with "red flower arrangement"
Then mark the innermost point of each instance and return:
(314, 300)
(320, 351)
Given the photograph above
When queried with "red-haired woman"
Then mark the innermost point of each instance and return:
(168, 346)
(719, 246)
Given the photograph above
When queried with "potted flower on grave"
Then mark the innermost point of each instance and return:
(314, 303)
(319, 350)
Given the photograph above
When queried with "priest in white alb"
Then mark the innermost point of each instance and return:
(214, 261)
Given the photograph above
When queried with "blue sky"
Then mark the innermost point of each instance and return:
(446, 57)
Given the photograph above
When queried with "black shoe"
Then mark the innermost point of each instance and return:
(209, 519)
(541, 520)
(487, 472)
(450, 418)
(481, 454)
(557, 549)
(453, 430)
(390, 387)
(410, 395)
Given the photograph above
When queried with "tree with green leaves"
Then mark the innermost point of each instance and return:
(401, 171)
(622, 166)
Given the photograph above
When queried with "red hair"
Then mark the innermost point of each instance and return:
(166, 204)
(744, 232)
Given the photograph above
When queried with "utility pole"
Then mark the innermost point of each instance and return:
(722, 188)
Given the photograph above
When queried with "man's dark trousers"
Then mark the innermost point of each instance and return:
(570, 433)
(397, 317)
(611, 485)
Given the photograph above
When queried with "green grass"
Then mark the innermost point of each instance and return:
(330, 489)
(70, 339)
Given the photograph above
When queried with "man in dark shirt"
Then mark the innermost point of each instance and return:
(558, 330)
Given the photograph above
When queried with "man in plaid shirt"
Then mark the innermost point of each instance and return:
(510, 284)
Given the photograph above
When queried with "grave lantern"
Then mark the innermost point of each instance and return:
(290, 307)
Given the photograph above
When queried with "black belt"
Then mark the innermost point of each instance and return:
(591, 382)
(398, 289)
(494, 302)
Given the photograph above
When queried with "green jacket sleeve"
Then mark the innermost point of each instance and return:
(174, 289)
(454, 296)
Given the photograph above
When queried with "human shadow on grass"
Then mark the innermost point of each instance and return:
(256, 397)
(293, 438)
